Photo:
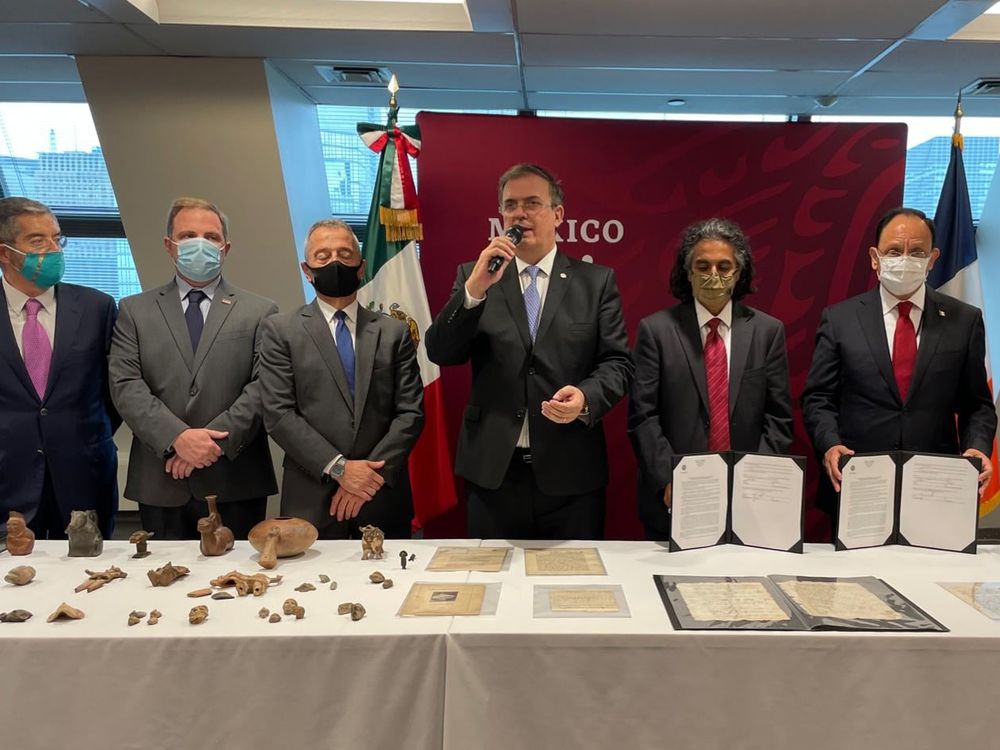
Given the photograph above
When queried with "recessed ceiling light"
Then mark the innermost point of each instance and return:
(676, 102)
(995, 8)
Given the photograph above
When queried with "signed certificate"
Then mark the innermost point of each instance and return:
(563, 561)
(443, 599)
(867, 514)
(482, 559)
(939, 502)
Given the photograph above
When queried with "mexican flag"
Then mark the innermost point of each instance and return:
(394, 285)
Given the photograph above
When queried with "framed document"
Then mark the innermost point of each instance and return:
(584, 600)
(915, 499)
(725, 603)
(447, 599)
(752, 499)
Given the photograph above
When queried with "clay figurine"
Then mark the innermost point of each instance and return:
(376, 577)
(402, 559)
(387, 583)
(344, 608)
(413, 557)
(304, 587)
(21, 575)
(98, 579)
(263, 612)
(85, 538)
(324, 578)
(289, 606)
(372, 539)
(154, 617)
(274, 618)
(255, 584)
(357, 612)
(66, 612)
(135, 617)
(20, 539)
(167, 574)
(216, 539)
(299, 612)
(140, 539)
(281, 537)
(198, 614)
(15, 615)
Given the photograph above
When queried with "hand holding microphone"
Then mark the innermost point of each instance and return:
(515, 234)
(492, 261)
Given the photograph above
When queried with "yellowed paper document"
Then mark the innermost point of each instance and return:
(844, 600)
(482, 559)
(583, 600)
(563, 561)
(729, 601)
(443, 599)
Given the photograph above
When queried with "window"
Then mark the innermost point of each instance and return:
(50, 153)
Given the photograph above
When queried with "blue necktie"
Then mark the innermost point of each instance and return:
(532, 300)
(193, 316)
(344, 347)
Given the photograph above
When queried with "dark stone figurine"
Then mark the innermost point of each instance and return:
(402, 559)
(85, 538)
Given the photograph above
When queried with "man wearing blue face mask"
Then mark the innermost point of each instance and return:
(900, 367)
(57, 452)
(183, 367)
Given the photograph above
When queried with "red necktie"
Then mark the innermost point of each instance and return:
(717, 375)
(904, 349)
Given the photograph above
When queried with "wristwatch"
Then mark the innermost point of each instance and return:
(338, 468)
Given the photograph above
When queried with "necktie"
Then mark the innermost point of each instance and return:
(344, 347)
(532, 300)
(904, 348)
(717, 376)
(195, 320)
(37, 347)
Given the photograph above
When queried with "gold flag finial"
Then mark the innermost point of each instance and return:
(393, 88)
(956, 136)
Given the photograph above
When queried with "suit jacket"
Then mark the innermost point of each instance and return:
(72, 427)
(668, 404)
(162, 388)
(309, 412)
(581, 341)
(851, 396)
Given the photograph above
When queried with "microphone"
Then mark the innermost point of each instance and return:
(515, 233)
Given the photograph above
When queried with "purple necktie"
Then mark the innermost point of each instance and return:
(37, 347)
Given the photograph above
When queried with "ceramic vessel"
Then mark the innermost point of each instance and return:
(281, 537)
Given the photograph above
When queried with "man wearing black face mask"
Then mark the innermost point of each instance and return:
(342, 397)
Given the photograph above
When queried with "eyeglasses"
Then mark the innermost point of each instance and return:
(530, 206)
(41, 244)
(896, 252)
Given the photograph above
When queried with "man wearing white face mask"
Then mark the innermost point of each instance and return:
(900, 367)
(183, 367)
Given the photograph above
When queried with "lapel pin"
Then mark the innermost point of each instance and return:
(226, 301)
(941, 313)
(562, 276)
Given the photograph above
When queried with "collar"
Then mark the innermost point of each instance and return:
(16, 298)
(328, 310)
(545, 264)
(725, 315)
(208, 289)
(889, 302)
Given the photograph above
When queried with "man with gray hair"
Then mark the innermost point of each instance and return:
(57, 427)
(183, 367)
(342, 397)
(711, 373)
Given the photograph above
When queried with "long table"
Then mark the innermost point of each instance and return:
(507, 680)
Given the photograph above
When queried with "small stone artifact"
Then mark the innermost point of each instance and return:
(135, 617)
(198, 593)
(376, 577)
(289, 606)
(344, 608)
(222, 595)
(198, 614)
(15, 615)
(305, 587)
(357, 612)
(281, 537)
(402, 559)
(20, 539)
(66, 612)
(167, 574)
(99, 578)
(333, 585)
(85, 538)
(274, 618)
(154, 617)
(387, 583)
(216, 539)
(263, 613)
(140, 539)
(413, 557)
(21, 575)
(372, 539)
(299, 612)
(324, 578)
(255, 584)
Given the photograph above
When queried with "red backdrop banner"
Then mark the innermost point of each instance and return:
(808, 195)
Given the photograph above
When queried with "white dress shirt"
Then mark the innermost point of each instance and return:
(206, 304)
(351, 321)
(725, 328)
(890, 312)
(19, 316)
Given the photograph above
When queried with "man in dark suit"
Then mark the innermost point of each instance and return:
(57, 451)
(550, 357)
(711, 374)
(900, 367)
(343, 398)
(184, 377)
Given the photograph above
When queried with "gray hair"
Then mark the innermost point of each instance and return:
(524, 169)
(11, 209)
(334, 224)
(181, 203)
(723, 230)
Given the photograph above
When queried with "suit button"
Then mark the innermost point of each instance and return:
(531, 370)
(44, 412)
(519, 414)
(40, 452)
(193, 391)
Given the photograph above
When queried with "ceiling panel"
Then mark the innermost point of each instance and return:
(488, 77)
(670, 83)
(818, 19)
(637, 103)
(419, 99)
(55, 69)
(386, 46)
(657, 52)
(926, 83)
(73, 39)
(964, 57)
(35, 92)
(41, 11)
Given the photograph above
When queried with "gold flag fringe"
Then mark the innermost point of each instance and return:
(401, 224)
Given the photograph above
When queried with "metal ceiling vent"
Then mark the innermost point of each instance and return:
(983, 87)
(354, 75)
